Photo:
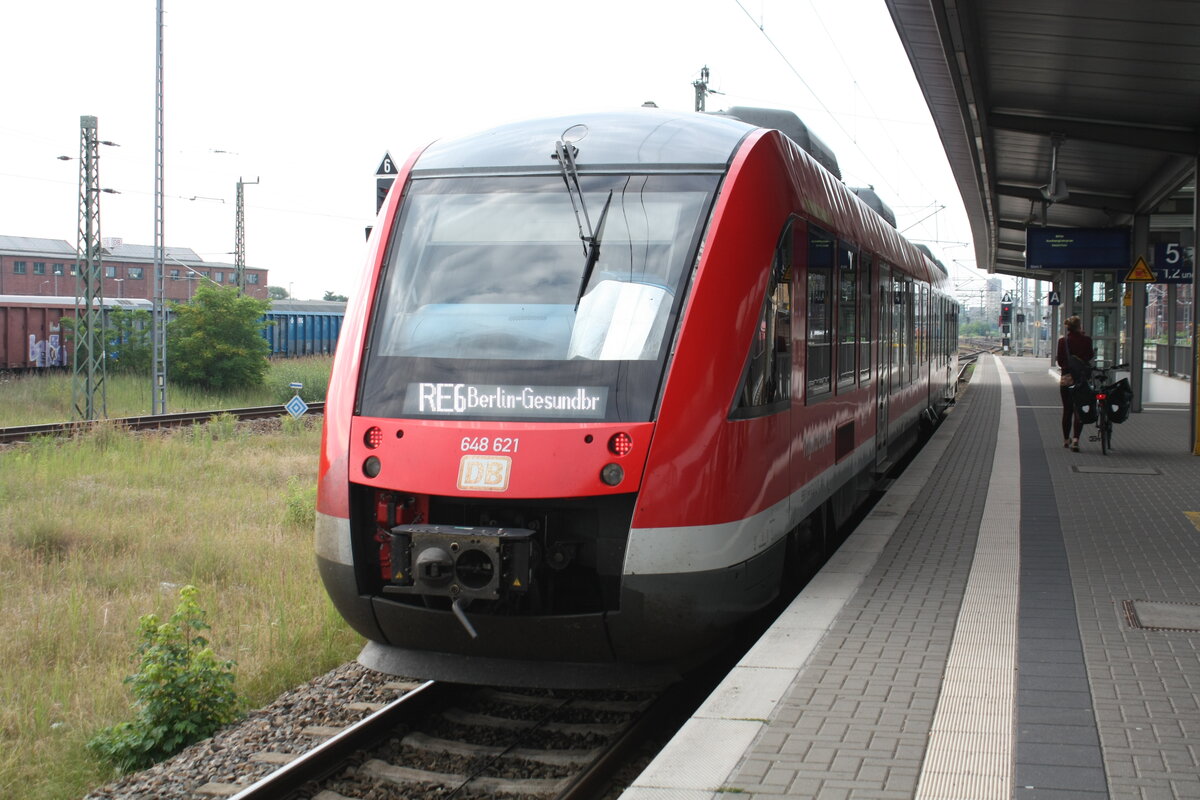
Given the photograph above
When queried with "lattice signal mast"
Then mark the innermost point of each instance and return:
(239, 236)
(87, 387)
(158, 319)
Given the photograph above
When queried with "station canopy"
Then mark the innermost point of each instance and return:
(1076, 113)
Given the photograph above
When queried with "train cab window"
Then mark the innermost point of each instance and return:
(864, 320)
(819, 355)
(847, 316)
(767, 376)
(487, 289)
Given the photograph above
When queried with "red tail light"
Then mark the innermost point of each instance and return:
(373, 437)
(620, 444)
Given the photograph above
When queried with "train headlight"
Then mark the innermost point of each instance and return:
(372, 466)
(373, 437)
(612, 474)
(620, 444)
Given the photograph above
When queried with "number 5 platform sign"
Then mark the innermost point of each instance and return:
(1172, 263)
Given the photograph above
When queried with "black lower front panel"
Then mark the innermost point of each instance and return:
(662, 618)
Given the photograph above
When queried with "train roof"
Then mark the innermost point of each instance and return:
(70, 301)
(869, 196)
(135, 303)
(791, 126)
(644, 136)
(290, 306)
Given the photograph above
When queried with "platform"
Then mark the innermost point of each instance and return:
(1013, 620)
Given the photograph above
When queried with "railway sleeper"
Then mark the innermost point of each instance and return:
(557, 758)
(471, 719)
(517, 699)
(406, 776)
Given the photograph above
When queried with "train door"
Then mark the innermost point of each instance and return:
(883, 364)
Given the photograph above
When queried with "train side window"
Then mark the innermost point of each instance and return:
(900, 329)
(924, 351)
(847, 316)
(767, 376)
(910, 347)
(819, 355)
(939, 328)
(918, 325)
(864, 320)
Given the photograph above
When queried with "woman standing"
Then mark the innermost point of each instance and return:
(1075, 353)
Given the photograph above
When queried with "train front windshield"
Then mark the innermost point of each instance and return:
(490, 309)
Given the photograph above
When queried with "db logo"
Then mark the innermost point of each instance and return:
(484, 473)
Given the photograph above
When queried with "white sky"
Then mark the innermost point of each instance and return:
(308, 97)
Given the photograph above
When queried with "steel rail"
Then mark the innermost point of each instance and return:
(328, 756)
(26, 432)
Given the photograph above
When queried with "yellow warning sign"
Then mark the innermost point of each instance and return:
(1128, 300)
(1140, 272)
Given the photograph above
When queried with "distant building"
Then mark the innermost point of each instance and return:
(47, 267)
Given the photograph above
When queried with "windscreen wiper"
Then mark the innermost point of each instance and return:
(564, 151)
(592, 247)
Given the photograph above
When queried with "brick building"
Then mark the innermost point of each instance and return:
(32, 266)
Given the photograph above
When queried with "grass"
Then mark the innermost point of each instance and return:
(38, 398)
(98, 530)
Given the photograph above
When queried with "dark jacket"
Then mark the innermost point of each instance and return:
(1078, 344)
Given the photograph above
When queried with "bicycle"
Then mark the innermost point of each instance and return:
(1105, 404)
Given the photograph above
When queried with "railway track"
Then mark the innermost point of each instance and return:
(440, 740)
(153, 422)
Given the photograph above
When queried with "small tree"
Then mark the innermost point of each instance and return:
(330, 295)
(215, 340)
(277, 293)
(182, 692)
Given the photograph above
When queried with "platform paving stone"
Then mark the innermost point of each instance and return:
(857, 719)
(1103, 709)
(1127, 538)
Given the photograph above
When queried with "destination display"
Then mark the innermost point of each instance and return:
(490, 400)
(1077, 248)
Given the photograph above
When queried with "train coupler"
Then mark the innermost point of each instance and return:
(467, 563)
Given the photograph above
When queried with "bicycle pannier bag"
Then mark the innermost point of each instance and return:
(1120, 398)
(1085, 403)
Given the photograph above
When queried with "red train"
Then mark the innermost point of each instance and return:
(608, 381)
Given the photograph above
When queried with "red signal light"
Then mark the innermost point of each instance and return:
(620, 444)
(373, 437)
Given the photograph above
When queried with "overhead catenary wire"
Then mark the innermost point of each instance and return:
(836, 119)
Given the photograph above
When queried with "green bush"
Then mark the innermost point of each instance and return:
(215, 340)
(182, 692)
(301, 508)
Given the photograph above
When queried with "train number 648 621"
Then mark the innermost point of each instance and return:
(484, 444)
